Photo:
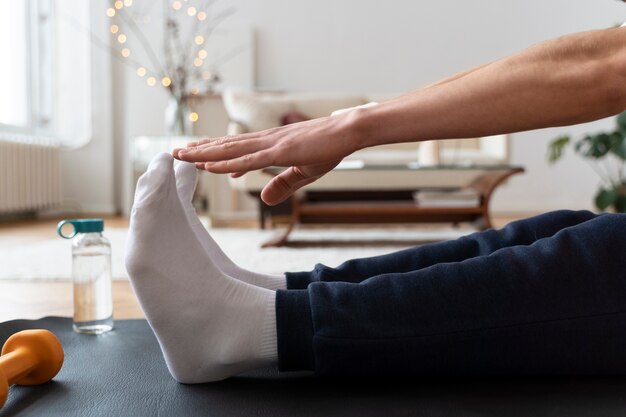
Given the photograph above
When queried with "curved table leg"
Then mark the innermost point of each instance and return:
(486, 185)
(279, 240)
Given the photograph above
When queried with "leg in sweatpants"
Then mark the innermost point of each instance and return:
(556, 306)
(521, 232)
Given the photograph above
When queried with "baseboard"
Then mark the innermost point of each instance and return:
(76, 210)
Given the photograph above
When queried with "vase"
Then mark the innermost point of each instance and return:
(177, 117)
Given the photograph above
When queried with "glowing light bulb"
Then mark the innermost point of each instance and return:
(191, 11)
(114, 29)
(141, 71)
(119, 4)
(197, 62)
(121, 38)
(201, 16)
(166, 81)
(202, 54)
(110, 12)
(199, 40)
(128, 3)
(125, 52)
(195, 91)
(193, 116)
(177, 5)
(151, 81)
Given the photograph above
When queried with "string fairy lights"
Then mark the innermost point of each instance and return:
(180, 67)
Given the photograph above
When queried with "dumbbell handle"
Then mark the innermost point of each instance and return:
(29, 357)
(17, 364)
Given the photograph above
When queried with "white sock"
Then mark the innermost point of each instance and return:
(186, 175)
(208, 329)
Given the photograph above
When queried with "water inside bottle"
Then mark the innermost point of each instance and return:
(93, 310)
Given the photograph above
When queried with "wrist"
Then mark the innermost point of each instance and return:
(361, 128)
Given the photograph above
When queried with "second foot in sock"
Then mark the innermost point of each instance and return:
(186, 180)
(209, 326)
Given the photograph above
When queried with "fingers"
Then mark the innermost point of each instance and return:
(225, 151)
(245, 163)
(199, 142)
(202, 143)
(203, 166)
(284, 185)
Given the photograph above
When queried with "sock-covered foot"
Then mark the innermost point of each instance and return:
(208, 329)
(186, 174)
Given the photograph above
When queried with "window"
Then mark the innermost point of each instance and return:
(45, 78)
(24, 75)
(13, 80)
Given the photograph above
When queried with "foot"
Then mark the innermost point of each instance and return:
(186, 173)
(209, 325)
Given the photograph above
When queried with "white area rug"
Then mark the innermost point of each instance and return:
(29, 258)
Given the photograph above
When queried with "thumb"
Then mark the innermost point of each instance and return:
(284, 185)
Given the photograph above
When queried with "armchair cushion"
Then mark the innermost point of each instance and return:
(255, 111)
(259, 111)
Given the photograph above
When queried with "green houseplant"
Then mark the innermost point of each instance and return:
(606, 152)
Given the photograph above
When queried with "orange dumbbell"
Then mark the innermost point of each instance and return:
(29, 357)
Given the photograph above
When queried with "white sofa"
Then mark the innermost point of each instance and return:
(254, 111)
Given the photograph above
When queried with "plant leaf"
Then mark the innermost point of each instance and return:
(556, 148)
(620, 203)
(605, 197)
(621, 120)
(618, 144)
(594, 146)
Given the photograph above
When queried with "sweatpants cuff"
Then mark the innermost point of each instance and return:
(294, 328)
(298, 280)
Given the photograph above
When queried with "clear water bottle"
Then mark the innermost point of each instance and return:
(91, 274)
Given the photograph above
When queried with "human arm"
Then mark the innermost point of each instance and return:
(572, 79)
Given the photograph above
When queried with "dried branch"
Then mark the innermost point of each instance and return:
(142, 39)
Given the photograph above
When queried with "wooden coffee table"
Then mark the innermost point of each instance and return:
(340, 197)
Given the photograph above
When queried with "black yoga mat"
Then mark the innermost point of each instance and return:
(122, 373)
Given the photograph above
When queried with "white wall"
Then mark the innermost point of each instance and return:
(88, 173)
(396, 46)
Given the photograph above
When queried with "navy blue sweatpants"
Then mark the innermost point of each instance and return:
(544, 295)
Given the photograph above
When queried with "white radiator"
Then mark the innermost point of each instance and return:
(30, 174)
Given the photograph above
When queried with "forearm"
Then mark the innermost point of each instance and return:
(455, 76)
(569, 80)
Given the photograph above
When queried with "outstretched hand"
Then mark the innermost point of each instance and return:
(309, 149)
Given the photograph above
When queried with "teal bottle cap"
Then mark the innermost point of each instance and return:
(81, 226)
